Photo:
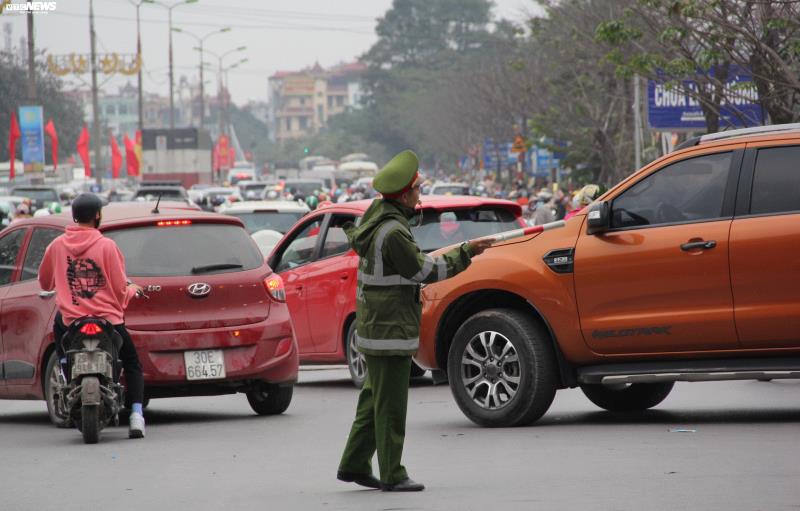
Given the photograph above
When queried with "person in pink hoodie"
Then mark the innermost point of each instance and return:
(87, 271)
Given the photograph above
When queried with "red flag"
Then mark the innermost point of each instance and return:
(116, 157)
(50, 129)
(83, 151)
(231, 156)
(130, 157)
(13, 135)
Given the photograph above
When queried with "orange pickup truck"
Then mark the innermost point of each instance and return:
(688, 270)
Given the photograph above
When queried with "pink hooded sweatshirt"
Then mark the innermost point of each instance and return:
(87, 270)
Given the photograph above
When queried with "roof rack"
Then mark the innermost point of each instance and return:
(749, 131)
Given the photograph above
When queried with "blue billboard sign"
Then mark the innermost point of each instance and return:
(675, 108)
(31, 126)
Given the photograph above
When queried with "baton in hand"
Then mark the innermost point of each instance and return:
(525, 231)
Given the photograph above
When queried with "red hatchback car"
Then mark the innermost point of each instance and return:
(216, 321)
(319, 269)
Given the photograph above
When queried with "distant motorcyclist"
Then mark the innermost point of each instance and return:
(87, 271)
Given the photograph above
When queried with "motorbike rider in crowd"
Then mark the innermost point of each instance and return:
(87, 271)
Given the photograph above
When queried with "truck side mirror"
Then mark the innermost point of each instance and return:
(598, 220)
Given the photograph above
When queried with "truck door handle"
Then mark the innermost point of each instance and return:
(702, 245)
(344, 276)
(299, 290)
(46, 294)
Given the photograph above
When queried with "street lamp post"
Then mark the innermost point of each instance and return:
(200, 41)
(219, 82)
(169, 8)
(139, 59)
(227, 91)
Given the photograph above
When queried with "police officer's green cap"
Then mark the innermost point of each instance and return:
(397, 174)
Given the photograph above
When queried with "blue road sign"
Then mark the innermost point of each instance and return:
(672, 108)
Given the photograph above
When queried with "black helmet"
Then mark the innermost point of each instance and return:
(85, 207)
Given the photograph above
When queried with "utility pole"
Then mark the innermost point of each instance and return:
(139, 58)
(171, 80)
(98, 168)
(31, 61)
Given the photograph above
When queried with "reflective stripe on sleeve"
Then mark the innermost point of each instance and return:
(387, 344)
(427, 266)
(441, 266)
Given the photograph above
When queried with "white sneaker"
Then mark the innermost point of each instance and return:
(136, 429)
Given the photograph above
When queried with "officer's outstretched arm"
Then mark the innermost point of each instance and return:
(411, 263)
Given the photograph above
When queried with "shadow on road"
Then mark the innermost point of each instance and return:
(729, 416)
(346, 383)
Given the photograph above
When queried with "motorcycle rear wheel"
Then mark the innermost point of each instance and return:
(90, 423)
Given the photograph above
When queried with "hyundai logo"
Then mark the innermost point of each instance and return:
(199, 289)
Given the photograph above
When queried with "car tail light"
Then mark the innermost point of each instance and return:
(91, 329)
(274, 285)
(173, 223)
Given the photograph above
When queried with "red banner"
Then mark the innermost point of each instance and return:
(13, 135)
(50, 129)
(131, 159)
(83, 151)
(116, 157)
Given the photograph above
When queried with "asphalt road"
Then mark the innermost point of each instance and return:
(709, 446)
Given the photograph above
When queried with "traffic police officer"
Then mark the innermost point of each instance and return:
(388, 310)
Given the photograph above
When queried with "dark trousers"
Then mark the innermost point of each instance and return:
(127, 353)
(380, 422)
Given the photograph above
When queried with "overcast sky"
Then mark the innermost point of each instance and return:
(279, 35)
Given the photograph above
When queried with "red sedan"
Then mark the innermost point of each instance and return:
(216, 321)
(319, 269)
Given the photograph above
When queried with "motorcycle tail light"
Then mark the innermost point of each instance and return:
(91, 329)
(275, 288)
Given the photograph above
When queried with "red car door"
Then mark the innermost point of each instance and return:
(331, 287)
(10, 248)
(291, 260)
(27, 318)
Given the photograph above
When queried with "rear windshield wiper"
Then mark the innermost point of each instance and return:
(213, 267)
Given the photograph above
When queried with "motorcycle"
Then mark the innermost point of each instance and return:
(93, 396)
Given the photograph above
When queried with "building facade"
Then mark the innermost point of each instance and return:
(301, 102)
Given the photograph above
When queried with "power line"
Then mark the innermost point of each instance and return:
(311, 28)
(251, 12)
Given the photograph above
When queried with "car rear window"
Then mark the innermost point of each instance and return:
(450, 190)
(304, 188)
(165, 194)
(440, 228)
(37, 195)
(175, 251)
(273, 220)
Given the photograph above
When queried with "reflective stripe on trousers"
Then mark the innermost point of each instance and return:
(387, 344)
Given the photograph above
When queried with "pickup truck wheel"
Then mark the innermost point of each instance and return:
(502, 369)
(631, 397)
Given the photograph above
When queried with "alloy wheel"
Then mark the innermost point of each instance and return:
(358, 364)
(490, 370)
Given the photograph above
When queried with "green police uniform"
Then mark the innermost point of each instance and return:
(388, 310)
